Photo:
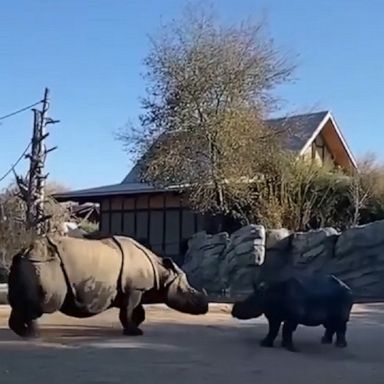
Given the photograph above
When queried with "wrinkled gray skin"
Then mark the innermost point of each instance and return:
(83, 277)
(310, 301)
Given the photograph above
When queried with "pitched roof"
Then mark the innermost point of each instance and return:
(301, 131)
(300, 128)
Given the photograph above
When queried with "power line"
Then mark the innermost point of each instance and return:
(20, 110)
(29, 145)
(16, 162)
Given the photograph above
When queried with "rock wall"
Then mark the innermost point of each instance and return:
(228, 265)
(220, 262)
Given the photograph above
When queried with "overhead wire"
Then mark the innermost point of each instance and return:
(29, 145)
(20, 110)
(16, 162)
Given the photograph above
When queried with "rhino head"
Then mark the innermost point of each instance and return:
(175, 290)
(252, 306)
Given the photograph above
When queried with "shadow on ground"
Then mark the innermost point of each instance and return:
(244, 337)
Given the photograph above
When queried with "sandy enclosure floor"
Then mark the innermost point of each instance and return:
(178, 348)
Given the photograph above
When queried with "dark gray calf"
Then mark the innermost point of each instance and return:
(312, 301)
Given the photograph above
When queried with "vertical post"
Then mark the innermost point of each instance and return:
(41, 155)
(32, 190)
(32, 169)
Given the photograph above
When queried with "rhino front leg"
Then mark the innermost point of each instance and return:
(274, 327)
(127, 315)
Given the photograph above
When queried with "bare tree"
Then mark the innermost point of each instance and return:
(14, 231)
(210, 90)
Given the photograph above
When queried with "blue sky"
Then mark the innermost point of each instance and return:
(89, 53)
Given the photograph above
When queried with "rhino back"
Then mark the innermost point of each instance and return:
(312, 299)
(93, 268)
(139, 269)
(318, 286)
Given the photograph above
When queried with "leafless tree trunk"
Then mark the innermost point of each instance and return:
(32, 189)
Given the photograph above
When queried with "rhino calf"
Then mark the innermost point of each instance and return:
(83, 277)
(311, 301)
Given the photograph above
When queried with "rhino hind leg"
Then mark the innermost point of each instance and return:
(32, 330)
(17, 324)
(24, 328)
(343, 318)
(338, 326)
(341, 330)
(128, 317)
(288, 328)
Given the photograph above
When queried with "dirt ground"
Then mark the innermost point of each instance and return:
(178, 348)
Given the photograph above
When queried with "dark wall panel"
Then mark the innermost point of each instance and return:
(142, 225)
(116, 227)
(172, 232)
(156, 230)
(147, 220)
(129, 224)
(104, 223)
(200, 223)
(188, 224)
(105, 205)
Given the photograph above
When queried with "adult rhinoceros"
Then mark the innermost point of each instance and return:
(84, 277)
